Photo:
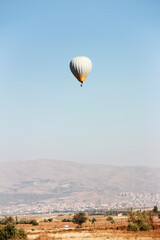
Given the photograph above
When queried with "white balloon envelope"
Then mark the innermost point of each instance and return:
(81, 67)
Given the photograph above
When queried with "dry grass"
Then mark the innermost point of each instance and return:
(100, 230)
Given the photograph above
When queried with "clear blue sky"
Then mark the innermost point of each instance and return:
(44, 113)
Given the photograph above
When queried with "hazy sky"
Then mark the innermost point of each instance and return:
(44, 113)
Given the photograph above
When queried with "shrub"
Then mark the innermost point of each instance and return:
(11, 231)
(109, 218)
(34, 222)
(144, 227)
(140, 221)
(23, 221)
(2, 234)
(22, 233)
(78, 226)
(133, 227)
(26, 221)
(50, 219)
(6, 220)
(66, 220)
(93, 220)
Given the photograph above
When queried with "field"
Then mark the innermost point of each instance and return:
(100, 229)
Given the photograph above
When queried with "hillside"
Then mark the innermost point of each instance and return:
(38, 180)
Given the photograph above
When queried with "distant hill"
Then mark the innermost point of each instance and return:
(28, 181)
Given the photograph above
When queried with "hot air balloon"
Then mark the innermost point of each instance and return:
(80, 67)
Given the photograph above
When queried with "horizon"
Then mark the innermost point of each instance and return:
(80, 162)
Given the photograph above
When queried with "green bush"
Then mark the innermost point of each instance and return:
(139, 220)
(93, 220)
(50, 219)
(23, 221)
(109, 218)
(79, 218)
(144, 227)
(26, 221)
(9, 231)
(22, 233)
(133, 227)
(34, 222)
(66, 220)
(2, 234)
(6, 220)
(79, 226)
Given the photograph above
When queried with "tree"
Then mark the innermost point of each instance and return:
(16, 219)
(155, 209)
(11, 231)
(106, 213)
(139, 221)
(2, 234)
(22, 233)
(6, 220)
(50, 219)
(79, 218)
(93, 220)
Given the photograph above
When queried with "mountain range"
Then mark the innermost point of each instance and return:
(37, 180)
